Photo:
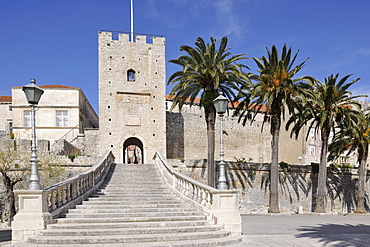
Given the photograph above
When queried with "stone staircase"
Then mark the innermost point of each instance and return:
(134, 207)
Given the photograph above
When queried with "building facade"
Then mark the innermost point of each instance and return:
(132, 96)
(63, 112)
(6, 122)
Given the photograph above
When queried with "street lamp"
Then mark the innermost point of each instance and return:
(220, 104)
(33, 94)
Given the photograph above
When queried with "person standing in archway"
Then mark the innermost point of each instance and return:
(131, 154)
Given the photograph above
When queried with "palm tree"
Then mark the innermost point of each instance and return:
(329, 104)
(348, 140)
(274, 88)
(207, 71)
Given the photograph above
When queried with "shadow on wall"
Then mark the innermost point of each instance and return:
(298, 186)
(175, 131)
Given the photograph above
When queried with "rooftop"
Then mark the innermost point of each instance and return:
(52, 86)
(5, 98)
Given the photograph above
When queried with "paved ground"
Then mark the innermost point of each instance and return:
(293, 230)
(306, 230)
(5, 235)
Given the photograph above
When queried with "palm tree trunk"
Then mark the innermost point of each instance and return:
(274, 176)
(322, 176)
(274, 168)
(210, 115)
(360, 193)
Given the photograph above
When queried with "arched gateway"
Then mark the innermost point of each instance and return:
(133, 152)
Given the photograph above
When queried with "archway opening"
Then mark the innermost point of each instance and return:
(133, 152)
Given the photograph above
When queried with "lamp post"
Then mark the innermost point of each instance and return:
(33, 94)
(220, 104)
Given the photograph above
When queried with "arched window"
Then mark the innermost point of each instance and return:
(131, 75)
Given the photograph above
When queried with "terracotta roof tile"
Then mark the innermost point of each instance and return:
(52, 86)
(5, 98)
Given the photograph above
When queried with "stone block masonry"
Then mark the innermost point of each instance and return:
(132, 96)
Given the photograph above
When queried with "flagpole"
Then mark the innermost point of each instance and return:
(132, 21)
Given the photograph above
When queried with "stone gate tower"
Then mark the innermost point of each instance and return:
(132, 84)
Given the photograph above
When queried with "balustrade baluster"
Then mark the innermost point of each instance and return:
(56, 197)
(64, 195)
(186, 189)
(195, 193)
(204, 197)
(53, 200)
(199, 196)
(49, 201)
(209, 200)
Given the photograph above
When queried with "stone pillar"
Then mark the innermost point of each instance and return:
(33, 214)
(225, 209)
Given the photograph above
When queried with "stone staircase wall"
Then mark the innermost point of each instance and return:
(134, 207)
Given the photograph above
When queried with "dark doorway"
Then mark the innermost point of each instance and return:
(133, 152)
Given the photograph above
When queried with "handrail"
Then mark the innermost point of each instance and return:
(64, 137)
(220, 205)
(66, 194)
(199, 193)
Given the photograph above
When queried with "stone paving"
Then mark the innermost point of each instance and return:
(306, 230)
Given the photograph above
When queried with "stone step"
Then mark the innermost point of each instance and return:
(129, 210)
(134, 200)
(137, 238)
(136, 194)
(130, 219)
(224, 241)
(130, 231)
(146, 224)
(135, 191)
(128, 203)
(129, 214)
(134, 186)
(117, 206)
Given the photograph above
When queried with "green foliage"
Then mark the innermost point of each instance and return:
(182, 160)
(252, 173)
(343, 166)
(283, 165)
(72, 157)
(207, 70)
(240, 161)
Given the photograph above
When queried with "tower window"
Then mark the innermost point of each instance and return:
(131, 75)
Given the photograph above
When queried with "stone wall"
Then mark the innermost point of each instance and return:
(186, 137)
(90, 142)
(298, 186)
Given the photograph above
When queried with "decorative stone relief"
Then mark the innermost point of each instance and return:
(132, 120)
(133, 98)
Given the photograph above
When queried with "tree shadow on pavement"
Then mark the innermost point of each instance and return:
(342, 235)
(5, 235)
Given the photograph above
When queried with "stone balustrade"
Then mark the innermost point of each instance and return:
(37, 208)
(221, 205)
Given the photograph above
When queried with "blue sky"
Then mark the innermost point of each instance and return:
(55, 41)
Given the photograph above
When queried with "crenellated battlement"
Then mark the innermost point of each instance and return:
(125, 36)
